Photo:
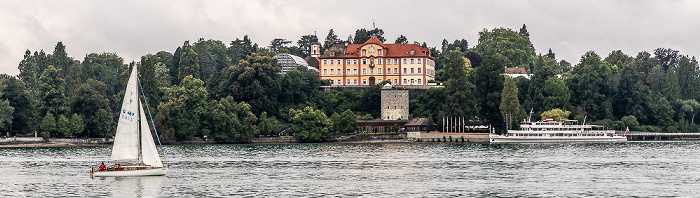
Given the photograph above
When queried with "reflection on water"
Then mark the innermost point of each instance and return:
(377, 170)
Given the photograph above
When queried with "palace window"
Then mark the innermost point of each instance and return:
(379, 70)
(405, 70)
(388, 61)
(332, 71)
(347, 71)
(411, 81)
(419, 60)
(371, 71)
(340, 71)
(396, 81)
(325, 62)
(419, 81)
(334, 63)
(396, 70)
(347, 82)
(347, 62)
(364, 61)
(354, 71)
(364, 81)
(388, 70)
(364, 52)
(419, 68)
(412, 61)
(354, 81)
(354, 62)
(379, 61)
(364, 71)
(332, 81)
(404, 61)
(411, 70)
(413, 52)
(340, 82)
(379, 51)
(405, 81)
(325, 71)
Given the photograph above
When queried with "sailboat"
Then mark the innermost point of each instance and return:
(134, 150)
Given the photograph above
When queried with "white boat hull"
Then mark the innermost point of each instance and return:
(509, 139)
(131, 173)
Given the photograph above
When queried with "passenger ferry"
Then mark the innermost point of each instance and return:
(553, 131)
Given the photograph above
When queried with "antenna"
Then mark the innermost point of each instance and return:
(374, 26)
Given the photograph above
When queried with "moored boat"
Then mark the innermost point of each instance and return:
(554, 131)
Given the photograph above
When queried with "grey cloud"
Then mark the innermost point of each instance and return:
(135, 28)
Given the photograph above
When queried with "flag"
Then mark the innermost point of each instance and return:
(627, 131)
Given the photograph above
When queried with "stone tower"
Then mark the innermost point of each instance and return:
(394, 103)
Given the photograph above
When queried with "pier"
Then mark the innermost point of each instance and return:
(448, 137)
(652, 136)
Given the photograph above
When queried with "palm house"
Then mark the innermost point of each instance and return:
(290, 62)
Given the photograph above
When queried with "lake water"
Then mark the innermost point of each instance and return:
(648, 169)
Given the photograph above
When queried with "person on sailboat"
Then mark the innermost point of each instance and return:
(102, 167)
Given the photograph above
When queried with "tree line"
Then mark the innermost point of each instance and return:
(235, 92)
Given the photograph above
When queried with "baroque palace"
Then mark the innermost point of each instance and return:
(373, 62)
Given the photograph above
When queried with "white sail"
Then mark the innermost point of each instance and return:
(126, 141)
(148, 147)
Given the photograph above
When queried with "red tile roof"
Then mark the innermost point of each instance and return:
(390, 50)
(515, 70)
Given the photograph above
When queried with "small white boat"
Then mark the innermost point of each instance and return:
(133, 141)
(553, 131)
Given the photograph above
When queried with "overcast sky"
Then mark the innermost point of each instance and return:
(134, 28)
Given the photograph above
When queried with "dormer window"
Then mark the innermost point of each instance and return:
(332, 53)
(379, 51)
(413, 52)
(364, 52)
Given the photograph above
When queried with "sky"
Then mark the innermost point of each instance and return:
(133, 28)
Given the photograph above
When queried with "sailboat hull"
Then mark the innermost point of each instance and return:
(130, 172)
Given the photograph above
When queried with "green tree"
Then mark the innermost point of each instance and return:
(515, 48)
(304, 45)
(401, 40)
(255, 81)
(688, 77)
(269, 125)
(489, 84)
(668, 58)
(309, 125)
(51, 92)
(240, 49)
(344, 122)
(545, 68)
(231, 121)
(688, 107)
(7, 110)
(459, 99)
(591, 84)
(672, 88)
(277, 44)
(630, 121)
(564, 67)
(48, 126)
(63, 126)
(616, 57)
(556, 114)
(430, 104)
(88, 99)
(663, 112)
(21, 100)
(102, 129)
(189, 62)
(632, 96)
(331, 38)
(557, 94)
(77, 126)
(510, 106)
(108, 68)
(184, 109)
(656, 79)
(645, 63)
(362, 35)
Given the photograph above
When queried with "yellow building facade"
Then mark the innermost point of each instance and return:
(373, 62)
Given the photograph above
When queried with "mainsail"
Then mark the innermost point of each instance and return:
(148, 147)
(126, 141)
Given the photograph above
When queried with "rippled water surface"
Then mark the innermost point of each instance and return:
(648, 169)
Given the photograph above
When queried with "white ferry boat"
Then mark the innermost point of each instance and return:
(553, 131)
